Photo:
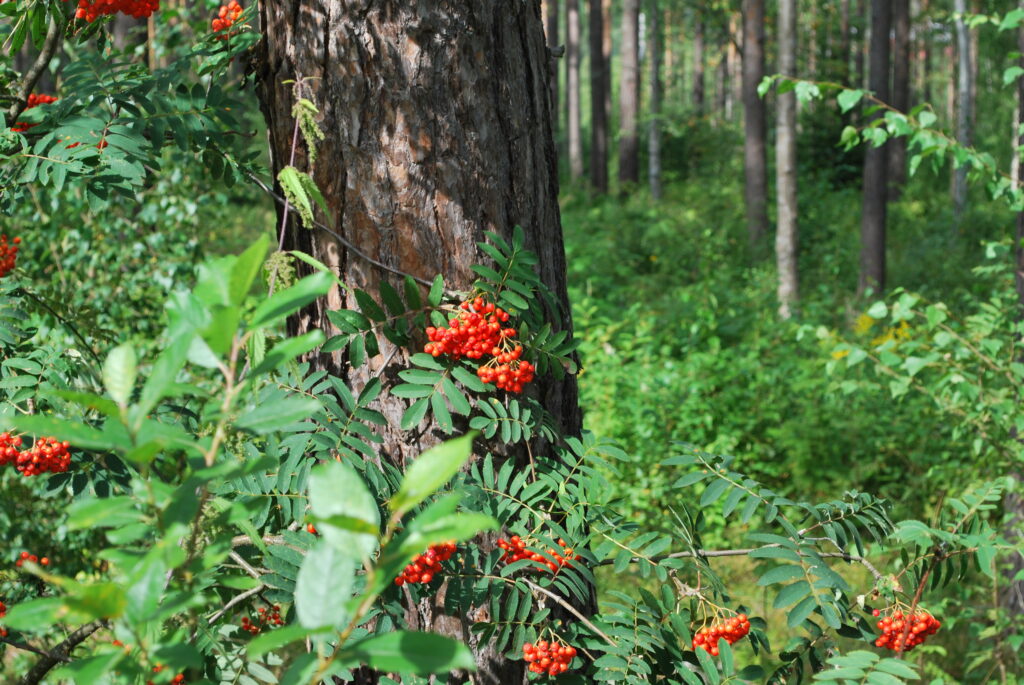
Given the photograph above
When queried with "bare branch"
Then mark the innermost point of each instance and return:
(59, 653)
(31, 77)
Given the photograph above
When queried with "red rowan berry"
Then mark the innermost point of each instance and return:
(548, 659)
(731, 630)
(425, 567)
(91, 10)
(916, 627)
(227, 15)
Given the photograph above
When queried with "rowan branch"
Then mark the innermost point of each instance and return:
(59, 653)
(571, 609)
(31, 77)
(710, 553)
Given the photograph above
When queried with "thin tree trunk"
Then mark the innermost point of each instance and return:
(860, 43)
(671, 71)
(786, 236)
(926, 54)
(950, 59)
(900, 93)
(1012, 599)
(414, 184)
(735, 93)
(722, 86)
(844, 41)
(698, 65)
(606, 50)
(572, 87)
(964, 103)
(551, 31)
(812, 43)
(598, 90)
(654, 124)
(754, 126)
(629, 105)
(873, 218)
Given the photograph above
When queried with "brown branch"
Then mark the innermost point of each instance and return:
(571, 609)
(26, 647)
(710, 553)
(59, 653)
(31, 77)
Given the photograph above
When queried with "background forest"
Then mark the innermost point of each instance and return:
(792, 236)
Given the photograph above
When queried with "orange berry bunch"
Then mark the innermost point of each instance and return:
(426, 566)
(3, 612)
(226, 17)
(264, 617)
(548, 658)
(921, 625)
(25, 556)
(516, 550)
(91, 10)
(732, 630)
(34, 100)
(478, 332)
(47, 455)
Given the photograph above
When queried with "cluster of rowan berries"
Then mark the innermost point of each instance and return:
(91, 10)
(478, 332)
(548, 658)
(264, 617)
(8, 254)
(516, 550)
(226, 17)
(425, 567)
(34, 100)
(3, 612)
(25, 556)
(47, 455)
(731, 630)
(918, 626)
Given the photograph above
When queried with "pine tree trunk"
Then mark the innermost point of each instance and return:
(786, 236)
(572, 87)
(860, 44)
(598, 93)
(754, 160)
(429, 142)
(873, 216)
(606, 52)
(844, 41)
(722, 86)
(900, 93)
(698, 65)
(735, 92)
(654, 125)
(964, 103)
(629, 105)
(926, 55)
(551, 32)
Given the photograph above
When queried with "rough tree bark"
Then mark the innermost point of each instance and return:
(900, 93)
(654, 124)
(438, 127)
(572, 87)
(965, 102)
(629, 92)
(786, 235)
(873, 214)
(698, 64)
(754, 155)
(598, 93)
